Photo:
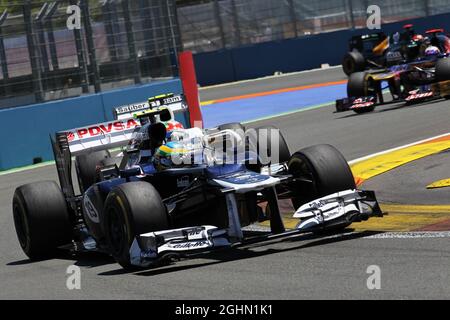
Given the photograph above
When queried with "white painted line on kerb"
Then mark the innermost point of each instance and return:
(397, 148)
(411, 235)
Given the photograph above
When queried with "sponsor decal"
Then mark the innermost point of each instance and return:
(362, 102)
(319, 204)
(102, 129)
(145, 105)
(132, 108)
(90, 210)
(196, 234)
(244, 178)
(172, 100)
(70, 136)
(362, 105)
(190, 245)
(393, 56)
(183, 182)
(416, 96)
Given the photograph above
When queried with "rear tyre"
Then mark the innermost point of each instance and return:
(232, 126)
(352, 62)
(322, 170)
(41, 219)
(131, 209)
(86, 167)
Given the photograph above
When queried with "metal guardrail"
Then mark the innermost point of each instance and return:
(118, 43)
(125, 42)
(208, 25)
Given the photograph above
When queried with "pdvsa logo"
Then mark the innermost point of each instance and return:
(70, 136)
(106, 128)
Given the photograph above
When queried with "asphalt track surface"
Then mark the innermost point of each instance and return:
(414, 177)
(299, 267)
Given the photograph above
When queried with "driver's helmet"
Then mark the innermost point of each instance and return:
(432, 51)
(418, 38)
(170, 155)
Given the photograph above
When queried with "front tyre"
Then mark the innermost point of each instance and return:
(131, 209)
(41, 219)
(320, 170)
(360, 84)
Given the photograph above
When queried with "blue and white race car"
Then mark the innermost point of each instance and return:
(173, 192)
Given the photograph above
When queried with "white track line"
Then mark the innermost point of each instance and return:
(411, 235)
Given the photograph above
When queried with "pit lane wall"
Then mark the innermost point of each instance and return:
(304, 53)
(25, 131)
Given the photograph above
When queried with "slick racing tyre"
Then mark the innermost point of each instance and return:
(86, 167)
(360, 84)
(41, 219)
(131, 209)
(352, 62)
(443, 71)
(260, 141)
(321, 170)
(232, 126)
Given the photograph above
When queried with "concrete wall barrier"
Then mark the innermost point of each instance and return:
(290, 55)
(25, 131)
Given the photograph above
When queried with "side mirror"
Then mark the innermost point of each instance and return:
(165, 115)
(130, 173)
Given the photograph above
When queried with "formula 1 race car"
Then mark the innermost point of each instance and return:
(378, 51)
(173, 192)
(366, 51)
(425, 78)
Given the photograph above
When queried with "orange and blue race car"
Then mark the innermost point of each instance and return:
(423, 78)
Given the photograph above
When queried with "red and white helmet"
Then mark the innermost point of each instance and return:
(432, 51)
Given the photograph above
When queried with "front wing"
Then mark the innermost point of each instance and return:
(338, 209)
(423, 93)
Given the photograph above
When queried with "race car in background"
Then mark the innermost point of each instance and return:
(378, 50)
(146, 206)
(365, 51)
(424, 78)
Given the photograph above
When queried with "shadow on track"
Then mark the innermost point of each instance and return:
(245, 252)
(81, 259)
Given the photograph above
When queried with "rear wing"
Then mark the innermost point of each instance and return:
(82, 140)
(175, 103)
(101, 136)
(117, 133)
(106, 135)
